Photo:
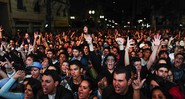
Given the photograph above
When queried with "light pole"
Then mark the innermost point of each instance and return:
(48, 15)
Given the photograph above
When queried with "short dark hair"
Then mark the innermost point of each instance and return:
(51, 50)
(76, 62)
(135, 59)
(77, 48)
(147, 49)
(53, 74)
(122, 69)
(161, 65)
(163, 51)
(180, 54)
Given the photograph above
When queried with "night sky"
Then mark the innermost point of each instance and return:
(127, 9)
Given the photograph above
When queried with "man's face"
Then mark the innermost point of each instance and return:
(49, 54)
(86, 49)
(178, 61)
(162, 72)
(105, 52)
(35, 72)
(110, 62)
(103, 83)
(120, 83)
(146, 53)
(62, 57)
(114, 51)
(48, 85)
(76, 53)
(28, 61)
(75, 71)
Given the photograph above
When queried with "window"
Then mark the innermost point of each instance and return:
(37, 7)
(20, 4)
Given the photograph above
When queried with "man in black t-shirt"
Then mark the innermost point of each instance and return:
(121, 88)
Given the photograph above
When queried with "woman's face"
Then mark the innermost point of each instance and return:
(28, 93)
(85, 29)
(65, 67)
(158, 94)
(45, 63)
(26, 35)
(84, 90)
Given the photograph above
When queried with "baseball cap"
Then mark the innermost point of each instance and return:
(35, 64)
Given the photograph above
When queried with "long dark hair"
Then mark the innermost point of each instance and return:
(35, 85)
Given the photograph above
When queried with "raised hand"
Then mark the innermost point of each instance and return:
(7, 63)
(88, 38)
(157, 40)
(35, 35)
(171, 38)
(120, 41)
(129, 43)
(19, 74)
(137, 84)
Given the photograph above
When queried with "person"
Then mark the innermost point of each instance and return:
(110, 65)
(52, 58)
(51, 88)
(35, 68)
(159, 93)
(178, 67)
(32, 87)
(77, 56)
(45, 63)
(162, 70)
(28, 39)
(29, 60)
(106, 51)
(76, 72)
(64, 68)
(85, 90)
(121, 89)
(102, 83)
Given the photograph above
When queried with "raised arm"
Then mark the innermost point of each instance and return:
(127, 60)
(120, 42)
(96, 64)
(156, 42)
(10, 95)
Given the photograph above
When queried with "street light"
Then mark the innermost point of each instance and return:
(72, 17)
(91, 12)
(101, 17)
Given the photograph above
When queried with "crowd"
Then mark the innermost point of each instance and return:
(103, 64)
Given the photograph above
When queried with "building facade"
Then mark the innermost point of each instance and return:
(33, 15)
